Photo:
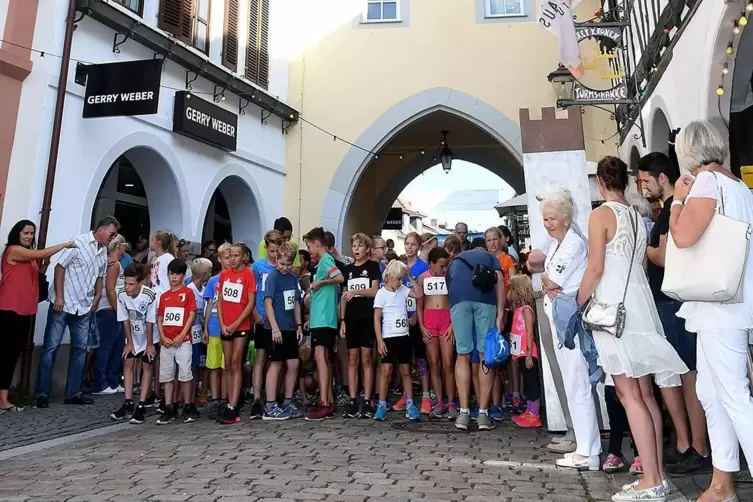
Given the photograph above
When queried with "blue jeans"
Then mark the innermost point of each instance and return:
(109, 355)
(681, 339)
(78, 325)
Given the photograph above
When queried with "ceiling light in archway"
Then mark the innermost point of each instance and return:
(446, 154)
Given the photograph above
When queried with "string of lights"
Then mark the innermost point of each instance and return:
(737, 27)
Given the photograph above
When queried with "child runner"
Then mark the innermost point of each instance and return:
(236, 301)
(357, 323)
(175, 316)
(137, 310)
(201, 271)
(282, 302)
(417, 267)
(523, 347)
(263, 336)
(215, 362)
(393, 338)
(323, 319)
(436, 327)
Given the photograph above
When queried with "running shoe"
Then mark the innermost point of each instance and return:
(381, 412)
(295, 411)
(276, 412)
(517, 405)
(426, 406)
(195, 415)
(187, 416)
(508, 400)
(613, 464)
(528, 420)
(351, 409)
(231, 415)
(105, 392)
(257, 410)
(496, 413)
(331, 410)
(342, 397)
(369, 409)
(139, 415)
(439, 411)
(214, 409)
(123, 411)
(161, 407)
(152, 401)
(168, 416)
(485, 423)
(412, 413)
(636, 468)
(474, 412)
(400, 404)
(452, 410)
(120, 389)
(462, 421)
(318, 413)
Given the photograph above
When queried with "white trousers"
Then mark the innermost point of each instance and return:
(580, 402)
(723, 388)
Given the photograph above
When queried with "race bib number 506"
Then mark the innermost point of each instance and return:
(173, 316)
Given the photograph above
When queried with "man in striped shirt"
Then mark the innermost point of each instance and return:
(75, 292)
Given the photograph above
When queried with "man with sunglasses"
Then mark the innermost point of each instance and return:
(74, 294)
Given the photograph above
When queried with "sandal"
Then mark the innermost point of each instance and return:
(10, 409)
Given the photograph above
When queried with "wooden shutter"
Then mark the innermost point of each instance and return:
(230, 36)
(176, 17)
(252, 47)
(264, 46)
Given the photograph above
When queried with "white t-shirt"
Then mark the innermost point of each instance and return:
(139, 311)
(160, 281)
(566, 262)
(394, 311)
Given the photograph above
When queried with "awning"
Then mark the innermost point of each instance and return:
(520, 202)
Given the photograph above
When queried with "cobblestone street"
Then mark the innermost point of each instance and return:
(358, 460)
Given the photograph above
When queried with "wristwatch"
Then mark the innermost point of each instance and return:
(677, 203)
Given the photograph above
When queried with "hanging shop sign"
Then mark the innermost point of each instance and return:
(204, 121)
(394, 219)
(617, 93)
(122, 89)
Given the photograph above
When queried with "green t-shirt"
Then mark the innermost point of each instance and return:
(262, 253)
(324, 299)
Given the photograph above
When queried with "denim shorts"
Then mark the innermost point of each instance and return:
(469, 315)
(683, 341)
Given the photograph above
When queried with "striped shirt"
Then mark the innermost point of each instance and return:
(83, 265)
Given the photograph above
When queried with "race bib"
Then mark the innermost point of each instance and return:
(173, 316)
(515, 344)
(435, 286)
(195, 334)
(231, 292)
(137, 327)
(289, 297)
(401, 324)
(360, 284)
(411, 303)
(264, 282)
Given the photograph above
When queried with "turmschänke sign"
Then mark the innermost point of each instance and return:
(204, 121)
(122, 89)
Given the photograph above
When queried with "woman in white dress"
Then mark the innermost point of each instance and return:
(617, 250)
(722, 384)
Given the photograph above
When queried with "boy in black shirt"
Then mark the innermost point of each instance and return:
(357, 322)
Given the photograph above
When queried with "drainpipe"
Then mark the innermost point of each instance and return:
(44, 220)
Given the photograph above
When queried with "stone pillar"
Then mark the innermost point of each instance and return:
(554, 157)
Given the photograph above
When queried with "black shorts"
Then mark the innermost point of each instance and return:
(262, 337)
(286, 350)
(235, 334)
(417, 339)
(359, 333)
(142, 355)
(324, 337)
(399, 350)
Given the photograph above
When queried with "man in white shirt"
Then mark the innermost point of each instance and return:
(76, 289)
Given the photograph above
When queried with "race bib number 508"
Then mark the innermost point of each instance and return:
(231, 292)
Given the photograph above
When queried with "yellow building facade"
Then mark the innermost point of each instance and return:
(390, 76)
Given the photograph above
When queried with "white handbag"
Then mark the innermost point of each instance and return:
(712, 269)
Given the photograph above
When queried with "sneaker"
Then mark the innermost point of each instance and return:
(168, 416)
(186, 415)
(202, 401)
(342, 398)
(123, 411)
(80, 399)
(214, 406)
(331, 410)
(161, 408)
(664, 483)
(439, 411)
(369, 409)
(579, 464)
(496, 413)
(508, 400)
(613, 464)
(43, 402)
(474, 412)
(276, 412)
(351, 410)
(690, 461)
(295, 411)
(655, 494)
(257, 410)
(381, 412)
(452, 410)
(462, 421)
(636, 467)
(400, 404)
(152, 401)
(120, 389)
(425, 406)
(105, 392)
(412, 413)
(194, 411)
(139, 415)
(485, 423)
(230, 416)
(517, 405)
(318, 413)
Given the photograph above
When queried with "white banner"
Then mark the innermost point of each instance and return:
(557, 18)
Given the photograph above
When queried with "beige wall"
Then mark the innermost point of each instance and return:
(356, 74)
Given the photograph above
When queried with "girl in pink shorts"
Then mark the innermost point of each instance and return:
(433, 312)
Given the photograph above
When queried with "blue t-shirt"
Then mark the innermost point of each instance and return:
(459, 277)
(284, 291)
(261, 269)
(125, 260)
(210, 294)
(416, 270)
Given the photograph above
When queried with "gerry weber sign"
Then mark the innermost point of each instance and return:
(121, 89)
(204, 121)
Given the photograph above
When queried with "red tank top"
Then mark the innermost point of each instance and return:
(19, 286)
(519, 335)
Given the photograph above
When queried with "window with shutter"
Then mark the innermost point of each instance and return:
(264, 46)
(176, 17)
(252, 51)
(230, 37)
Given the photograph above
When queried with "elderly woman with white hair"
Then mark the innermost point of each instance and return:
(563, 271)
(723, 386)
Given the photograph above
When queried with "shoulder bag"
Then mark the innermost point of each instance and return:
(483, 277)
(719, 257)
(606, 317)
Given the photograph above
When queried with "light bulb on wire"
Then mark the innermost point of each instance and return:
(720, 91)
(730, 49)
(743, 19)
(749, 7)
(736, 28)
(725, 69)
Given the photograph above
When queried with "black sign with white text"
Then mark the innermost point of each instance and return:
(394, 219)
(204, 121)
(122, 89)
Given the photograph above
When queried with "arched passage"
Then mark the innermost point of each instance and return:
(363, 188)
(659, 141)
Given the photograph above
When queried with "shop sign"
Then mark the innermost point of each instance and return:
(204, 121)
(122, 89)
(616, 93)
(394, 219)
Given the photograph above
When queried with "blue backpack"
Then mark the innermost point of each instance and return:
(496, 349)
